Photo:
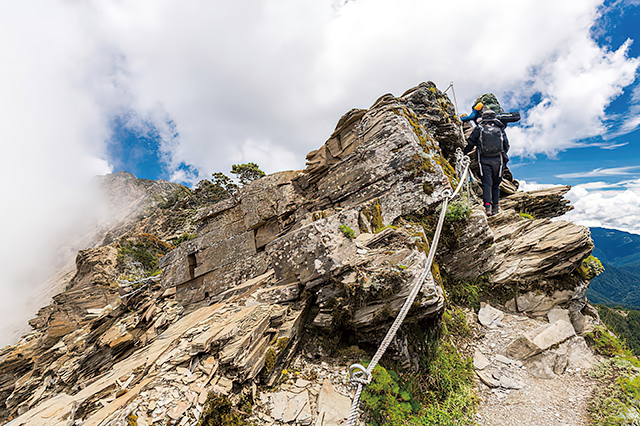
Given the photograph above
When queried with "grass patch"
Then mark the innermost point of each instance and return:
(439, 393)
(616, 400)
(466, 293)
(604, 343)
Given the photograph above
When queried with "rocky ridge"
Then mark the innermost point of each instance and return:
(329, 251)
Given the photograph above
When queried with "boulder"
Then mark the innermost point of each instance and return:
(542, 203)
(489, 316)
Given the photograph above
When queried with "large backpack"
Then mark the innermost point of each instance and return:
(490, 102)
(490, 139)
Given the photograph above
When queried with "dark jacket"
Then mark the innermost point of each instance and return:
(474, 140)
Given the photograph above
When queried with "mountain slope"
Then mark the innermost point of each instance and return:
(619, 253)
(302, 272)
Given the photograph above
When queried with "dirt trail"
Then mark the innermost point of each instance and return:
(561, 400)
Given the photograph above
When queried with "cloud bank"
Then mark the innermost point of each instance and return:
(265, 81)
(618, 209)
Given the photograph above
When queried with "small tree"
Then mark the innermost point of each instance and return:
(224, 183)
(247, 173)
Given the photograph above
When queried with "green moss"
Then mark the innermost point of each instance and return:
(448, 170)
(132, 420)
(373, 214)
(347, 231)
(435, 273)
(282, 343)
(270, 359)
(218, 411)
(526, 216)
(318, 215)
(590, 268)
(386, 227)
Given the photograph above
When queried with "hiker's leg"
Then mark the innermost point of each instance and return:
(496, 179)
(487, 182)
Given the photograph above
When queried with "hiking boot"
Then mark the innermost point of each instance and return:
(487, 208)
(495, 209)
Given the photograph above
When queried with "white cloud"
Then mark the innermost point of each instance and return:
(263, 81)
(284, 71)
(617, 210)
(612, 171)
(533, 186)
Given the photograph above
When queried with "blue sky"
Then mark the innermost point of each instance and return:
(179, 90)
(619, 158)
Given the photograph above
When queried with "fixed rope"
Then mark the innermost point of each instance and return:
(361, 376)
(455, 104)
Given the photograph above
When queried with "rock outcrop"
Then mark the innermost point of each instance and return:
(334, 249)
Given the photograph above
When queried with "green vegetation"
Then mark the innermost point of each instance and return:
(616, 401)
(373, 214)
(218, 411)
(224, 186)
(605, 343)
(347, 231)
(457, 211)
(145, 249)
(466, 293)
(247, 173)
(525, 215)
(440, 393)
(625, 323)
(182, 238)
(590, 268)
(221, 186)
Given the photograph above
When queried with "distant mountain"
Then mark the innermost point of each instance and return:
(619, 253)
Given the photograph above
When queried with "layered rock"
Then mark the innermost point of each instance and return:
(335, 248)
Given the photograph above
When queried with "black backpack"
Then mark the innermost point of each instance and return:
(490, 139)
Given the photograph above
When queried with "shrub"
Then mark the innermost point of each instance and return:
(440, 393)
(616, 401)
(458, 211)
(590, 268)
(143, 248)
(183, 238)
(218, 411)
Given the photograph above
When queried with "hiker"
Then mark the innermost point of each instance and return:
(476, 112)
(492, 145)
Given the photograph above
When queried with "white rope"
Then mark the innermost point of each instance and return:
(455, 104)
(360, 375)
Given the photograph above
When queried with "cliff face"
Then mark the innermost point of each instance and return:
(330, 252)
